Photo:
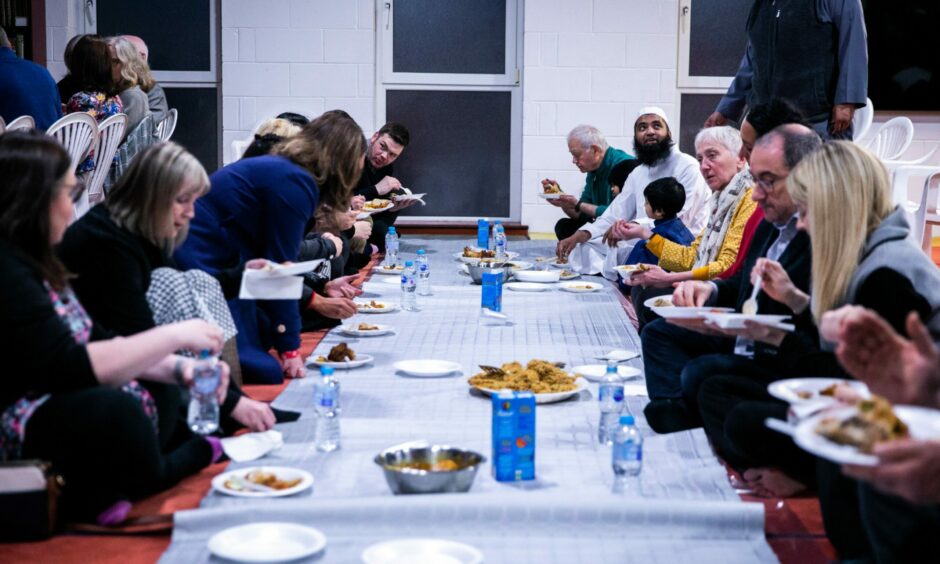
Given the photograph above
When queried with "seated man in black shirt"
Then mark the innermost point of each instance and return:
(385, 146)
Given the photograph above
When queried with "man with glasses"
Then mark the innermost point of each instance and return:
(385, 146)
(679, 355)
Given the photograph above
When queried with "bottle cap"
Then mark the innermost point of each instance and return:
(611, 366)
(482, 221)
(420, 252)
(409, 263)
(626, 420)
(391, 229)
(326, 370)
(204, 353)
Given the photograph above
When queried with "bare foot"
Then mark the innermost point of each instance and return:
(772, 482)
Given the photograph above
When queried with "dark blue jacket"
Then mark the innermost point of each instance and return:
(27, 89)
(671, 229)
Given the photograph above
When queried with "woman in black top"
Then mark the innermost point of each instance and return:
(123, 247)
(70, 394)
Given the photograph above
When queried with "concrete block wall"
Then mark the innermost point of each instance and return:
(63, 21)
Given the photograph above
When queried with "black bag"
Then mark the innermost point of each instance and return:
(29, 495)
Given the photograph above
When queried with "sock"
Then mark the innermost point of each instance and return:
(216, 444)
(114, 515)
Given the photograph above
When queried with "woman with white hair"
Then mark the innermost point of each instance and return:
(718, 150)
(136, 105)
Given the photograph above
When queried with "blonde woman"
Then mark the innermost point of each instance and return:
(138, 65)
(124, 72)
(121, 252)
(270, 133)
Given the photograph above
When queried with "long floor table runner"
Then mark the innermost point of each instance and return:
(681, 504)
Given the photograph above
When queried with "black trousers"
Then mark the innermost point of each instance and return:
(898, 530)
(638, 295)
(105, 447)
(566, 226)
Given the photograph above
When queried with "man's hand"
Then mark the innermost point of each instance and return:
(903, 371)
(255, 415)
(341, 287)
(654, 277)
(548, 183)
(842, 115)
(565, 246)
(337, 242)
(356, 202)
(363, 230)
(400, 205)
(698, 325)
(777, 285)
(626, 230)
(715, 119)
(906, 468)
(692, 293)
(334, 308)
(387, 184)
(566, 201)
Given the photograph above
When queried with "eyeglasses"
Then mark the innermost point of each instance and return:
(768, 183)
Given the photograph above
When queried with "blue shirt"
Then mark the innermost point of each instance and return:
(671, 229)
(27, 89)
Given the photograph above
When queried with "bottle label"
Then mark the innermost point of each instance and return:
(628, 451)
(325, 401)
(423, 267)
(610, 392)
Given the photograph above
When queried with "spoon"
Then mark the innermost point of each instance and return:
(750, 305)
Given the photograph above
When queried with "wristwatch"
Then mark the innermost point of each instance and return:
(577, 207)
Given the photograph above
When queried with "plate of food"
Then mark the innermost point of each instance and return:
(626, 270)
(594, 372)
(517, 265)
(389, 269)
(427, 368)
(267, 542)
(568, 275)
(375, 306)
(580, 287)
(421, 550)
(474, 255)
(543, 276)
(731, 320)
(527, 287)
(365, 329)
(546, 380)
(407, 196)
(340, 357)
(802, 390)
(263, 481)
(848, 435)
(551, 192)
(377, 205)
(560, 263)
(663, 307)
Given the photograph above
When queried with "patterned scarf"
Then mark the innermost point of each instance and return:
(725, 203)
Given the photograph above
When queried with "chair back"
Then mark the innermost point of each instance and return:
(110, 132)
(861, 121)
(892, 139)
(3, 125)
(76, 132)
(22, 122)
(922, 209)
(141, 137)
(166, 127)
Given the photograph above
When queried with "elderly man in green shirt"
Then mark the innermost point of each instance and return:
(591, 154)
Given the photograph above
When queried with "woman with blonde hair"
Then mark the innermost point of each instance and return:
(135, 65)
(121, 252)
(133, 98)
(262, 207)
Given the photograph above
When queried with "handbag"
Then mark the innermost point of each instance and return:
(29, 496)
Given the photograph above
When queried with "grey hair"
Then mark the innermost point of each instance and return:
(588, 135)
(724, 135)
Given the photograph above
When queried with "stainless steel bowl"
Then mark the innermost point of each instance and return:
(476, 272)
(414, 481)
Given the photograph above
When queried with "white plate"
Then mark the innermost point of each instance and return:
(406, 197)
(361, 360)
(545, 196)
(517, 265)
(553, 397)
(618, 355)
(389, 307)
(427, 368)
(923, 424)
(363, 215)
(527, 286)
(353, 330)
(267, 542)
(377, 210)
(282, 472)
(538, 275)
(627, 270)
(676, 312)
(594, 372)
(473, 260)
(580, 287)
(562, 265)
(736, 320)
(388, 270)
(788, 390)
(571, 276)
(421, 551)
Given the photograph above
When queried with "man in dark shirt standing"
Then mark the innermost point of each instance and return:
(26, 89)
(385, 146)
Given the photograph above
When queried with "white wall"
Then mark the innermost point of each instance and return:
(586, 61)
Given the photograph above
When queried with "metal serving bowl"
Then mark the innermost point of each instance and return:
(476, 272)
(404, 480)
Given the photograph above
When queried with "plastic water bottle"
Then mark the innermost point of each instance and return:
(499, 241)
(424, 274)
(408, 287)
(610, 401)
(326, 399)
(627, 454)
(483, 233)
(391, 247)
(203, 416)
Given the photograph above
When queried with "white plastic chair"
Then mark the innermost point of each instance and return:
(892, 139)
(110, 132)
(77, 133)
(166, 127)
(861, 121)
(923, 209)
(22, 122)
(3, 125)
